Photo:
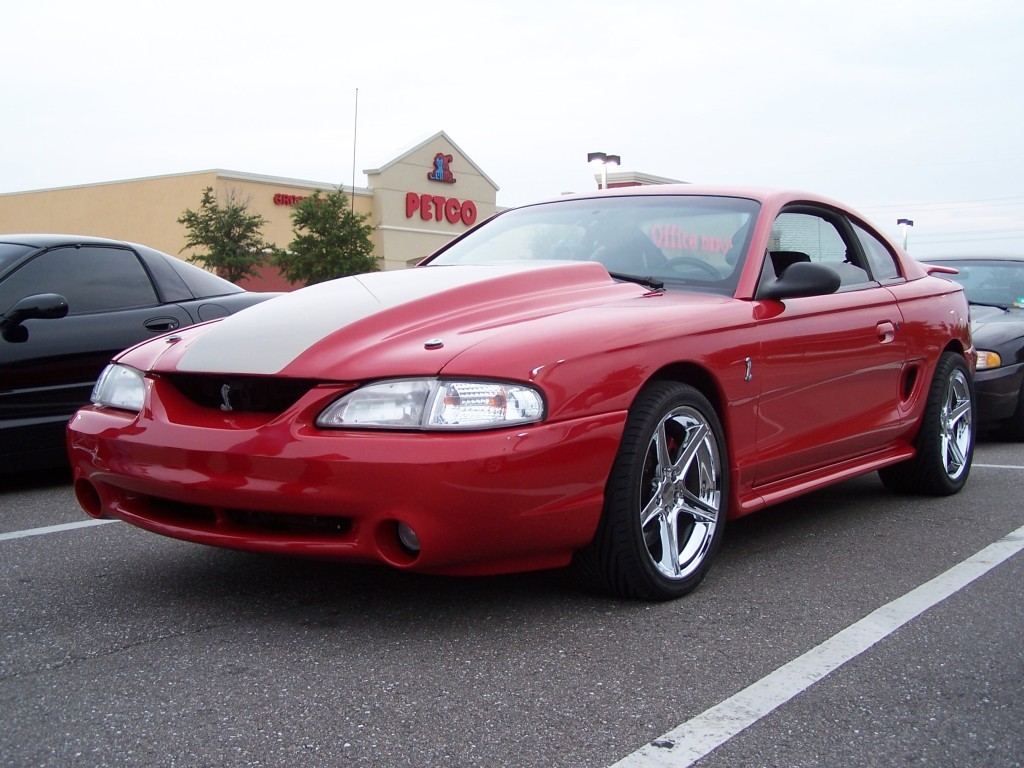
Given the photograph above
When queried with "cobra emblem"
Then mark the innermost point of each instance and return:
(225, 398)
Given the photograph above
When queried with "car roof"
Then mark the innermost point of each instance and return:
(763, 194)
(45, 240)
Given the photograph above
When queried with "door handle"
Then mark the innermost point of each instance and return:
(886, 331)
(161, 324)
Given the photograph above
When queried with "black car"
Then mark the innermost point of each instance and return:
(995, 289)
(69, 304)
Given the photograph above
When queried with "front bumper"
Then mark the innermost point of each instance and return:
(479, 502)
(998, 391)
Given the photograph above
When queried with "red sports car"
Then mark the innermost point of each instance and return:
(601, 380)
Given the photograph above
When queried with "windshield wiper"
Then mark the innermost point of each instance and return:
(648, 282)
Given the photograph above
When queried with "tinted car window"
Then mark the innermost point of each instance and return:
(11, 252)
(91, 279)
(201, 283)
(990, 282)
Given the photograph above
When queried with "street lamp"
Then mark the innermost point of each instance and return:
(905, 224)
(605, 161)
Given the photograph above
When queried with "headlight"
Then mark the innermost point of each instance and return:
(988, 360)
(119, 387)
(434, 404)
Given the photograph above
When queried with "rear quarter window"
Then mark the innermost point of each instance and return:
(200, 283)
(883, 263)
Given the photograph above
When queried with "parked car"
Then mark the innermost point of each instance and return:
(69, 304)
(995, 289)
(601, 379)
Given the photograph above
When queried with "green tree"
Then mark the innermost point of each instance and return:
(331, 240)
(229, 234)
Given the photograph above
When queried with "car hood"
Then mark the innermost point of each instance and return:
(991, 326)
(406, 322)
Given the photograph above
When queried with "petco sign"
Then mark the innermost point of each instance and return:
(440, 208)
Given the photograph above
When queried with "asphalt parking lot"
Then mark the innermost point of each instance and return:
(122, 648)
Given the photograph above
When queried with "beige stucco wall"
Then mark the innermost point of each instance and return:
(147, 210)
(143, 211)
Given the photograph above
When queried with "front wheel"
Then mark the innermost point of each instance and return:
(666, 499)
(945, 439)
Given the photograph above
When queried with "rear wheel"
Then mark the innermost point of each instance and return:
(945, 440)
(666, 499)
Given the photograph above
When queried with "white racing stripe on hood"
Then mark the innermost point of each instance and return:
(265, 338)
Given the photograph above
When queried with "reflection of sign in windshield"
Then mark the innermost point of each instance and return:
(671, 237)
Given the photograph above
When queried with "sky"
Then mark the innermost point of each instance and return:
(904, 109)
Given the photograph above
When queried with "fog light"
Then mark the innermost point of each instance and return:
(408, 539)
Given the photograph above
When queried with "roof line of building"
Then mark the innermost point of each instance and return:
(220, 173)
(282, 180)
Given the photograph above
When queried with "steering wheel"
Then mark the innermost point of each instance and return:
(686, 263)
(638, 253)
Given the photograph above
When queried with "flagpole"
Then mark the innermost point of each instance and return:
(355, 128)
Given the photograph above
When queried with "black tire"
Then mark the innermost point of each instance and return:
(945, 441)
(660, 530)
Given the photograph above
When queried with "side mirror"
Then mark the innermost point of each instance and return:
(42, 306)
(804, 278)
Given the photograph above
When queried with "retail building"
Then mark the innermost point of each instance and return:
(416, 203)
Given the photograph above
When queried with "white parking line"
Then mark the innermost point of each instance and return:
(52, 529)
(687, 743)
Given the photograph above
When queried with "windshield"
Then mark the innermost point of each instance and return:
(996, 283)
(694, 242)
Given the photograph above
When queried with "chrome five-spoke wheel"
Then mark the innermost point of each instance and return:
(957, 426)
(681, 496)
(666, 499)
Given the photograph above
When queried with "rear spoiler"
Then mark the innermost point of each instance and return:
(935, 269)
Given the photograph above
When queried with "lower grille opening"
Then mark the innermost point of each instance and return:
(181, 514)
(254, 521)
(274, 522)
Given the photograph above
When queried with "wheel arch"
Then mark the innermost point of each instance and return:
(957, 346)
(704, 381)
(967, 352)
(698, 377)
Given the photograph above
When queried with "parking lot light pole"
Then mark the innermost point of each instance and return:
(605, 161)
(905, 224)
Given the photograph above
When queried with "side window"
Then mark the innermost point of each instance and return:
(809, 237)
(91, 279)
(883, 263)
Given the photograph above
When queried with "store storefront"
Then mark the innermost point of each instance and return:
(416, 203)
